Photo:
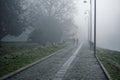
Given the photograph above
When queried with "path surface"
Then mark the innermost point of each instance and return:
(85, 67)
(72, 63)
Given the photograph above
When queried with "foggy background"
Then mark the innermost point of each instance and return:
(108, 24)
(36, 21)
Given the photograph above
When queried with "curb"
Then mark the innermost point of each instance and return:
(29, 65)
(104, 70)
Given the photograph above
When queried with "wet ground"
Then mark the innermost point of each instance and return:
(77, 62)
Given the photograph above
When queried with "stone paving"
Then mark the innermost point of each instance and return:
(46, 69)
(83, 67)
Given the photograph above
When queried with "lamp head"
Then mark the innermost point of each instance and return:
(84, 1)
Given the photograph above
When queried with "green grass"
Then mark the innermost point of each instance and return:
(111, 61)
(13, 58)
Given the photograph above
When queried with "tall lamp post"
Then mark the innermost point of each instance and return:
(95, 27)
(87, 12)
(85, 1)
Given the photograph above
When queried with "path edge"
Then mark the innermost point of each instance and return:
(29, 65)
(103, 68)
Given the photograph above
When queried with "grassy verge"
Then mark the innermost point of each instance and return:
(111, 61)
(13, 58)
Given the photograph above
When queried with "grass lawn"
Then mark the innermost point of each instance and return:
(13, 58)
(111, 61)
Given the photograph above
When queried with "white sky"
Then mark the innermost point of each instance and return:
(108, 22)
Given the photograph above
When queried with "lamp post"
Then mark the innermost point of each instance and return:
(85, 1)
(95, 27)
(89, 12)
(90, 24)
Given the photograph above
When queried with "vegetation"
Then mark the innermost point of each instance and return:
(10, 21)
(46, 20)
(111, 61)
(13, 58)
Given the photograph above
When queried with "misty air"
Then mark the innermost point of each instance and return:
(59, 40)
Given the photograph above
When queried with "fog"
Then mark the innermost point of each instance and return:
(21, 38)
(108, 24)
(38, 21)
(45, 21)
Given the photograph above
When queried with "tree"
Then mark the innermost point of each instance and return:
(40, 12)
(42, 35)
(10, 22)
(38, 9)
(46, 16)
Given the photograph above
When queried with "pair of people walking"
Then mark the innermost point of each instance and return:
(75, 41)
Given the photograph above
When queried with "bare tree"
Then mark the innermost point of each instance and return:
(51, 14)
(39, 10)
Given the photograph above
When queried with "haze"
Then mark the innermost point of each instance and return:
(108, 17)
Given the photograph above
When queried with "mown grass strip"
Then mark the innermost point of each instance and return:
(111, 61)
(14, 60)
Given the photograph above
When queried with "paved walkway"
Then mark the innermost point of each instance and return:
(69, 64)
(85, 67)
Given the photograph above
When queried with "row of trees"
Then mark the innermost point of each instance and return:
(49, 18)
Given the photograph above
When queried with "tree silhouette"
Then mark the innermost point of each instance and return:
(10, 22)
(48, 17)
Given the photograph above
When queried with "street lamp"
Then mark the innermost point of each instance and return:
(95, 27)
(85, 1)
(89, 12)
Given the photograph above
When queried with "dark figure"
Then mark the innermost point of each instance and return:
(77, 41)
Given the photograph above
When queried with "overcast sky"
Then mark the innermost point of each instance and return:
(108, 22)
